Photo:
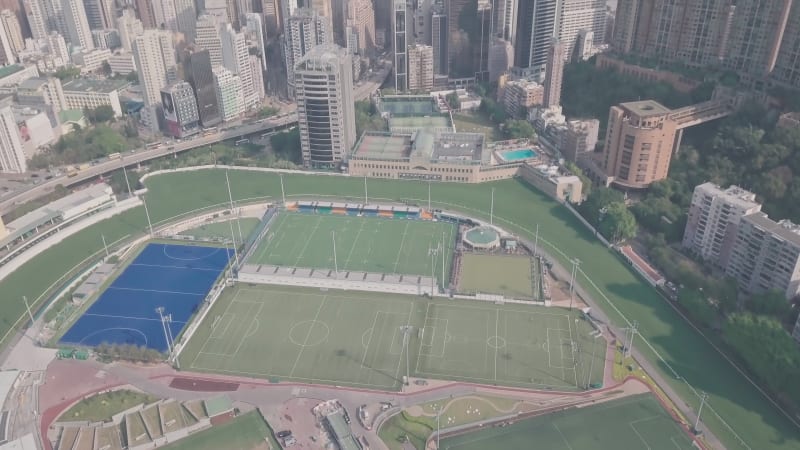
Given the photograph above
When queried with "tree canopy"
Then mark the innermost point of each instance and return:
(82, 146)
(518, 129)
(368, 119)
(102, 113)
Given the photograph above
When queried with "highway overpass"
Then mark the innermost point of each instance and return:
(142, 155)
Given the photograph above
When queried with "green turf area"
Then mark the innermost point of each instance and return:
(665, 338)
(102, 406)
(351, 338)
(362, 244)
(628, 423)
(222, 230)
(505, 275)
(477, 123)
(246, 432)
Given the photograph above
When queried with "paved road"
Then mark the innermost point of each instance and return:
(141, 155)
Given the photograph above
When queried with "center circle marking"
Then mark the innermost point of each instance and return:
(496, 342)
(309, 333)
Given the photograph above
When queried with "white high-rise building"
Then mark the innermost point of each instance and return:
(207, 37)
(7, 53)
(255, 33)
(12, 154)
(325, 105)
(77, 25)
(304, 30)
(37, 18)
(420, 68)
(164, 13)
(235, 57)
(361, 17)
(13, 30)
(100, 14)
(186, 18)
(128, 27)
(258, 77)
(57, 46)
(578, 15)
(229, 94)
(155, 58)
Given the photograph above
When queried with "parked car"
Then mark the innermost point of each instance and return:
(283, 434)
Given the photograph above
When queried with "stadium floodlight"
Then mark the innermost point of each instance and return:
(283, 192)
(147, 213)
(366, 197)
(575, 263)
(703, 398)
(491, 210)
(160, 311)
(335, 263)
(25, 299)
(406, 329)
(429, 195)
(230, 198)
(536, 242)
(103, 237)
(127, 183)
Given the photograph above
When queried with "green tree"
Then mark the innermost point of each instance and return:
(771, 303)
(586, 183)
(518, 129)
(106, 68)
(453, 101)
(368, 119)
(101, 114)
(268, 111)
(118, 183)
(133, 77)
(599, 198)
(67, 73)
(695, 303)
(617, 223)
(286, 145)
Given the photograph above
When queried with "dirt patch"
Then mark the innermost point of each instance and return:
(198, 385)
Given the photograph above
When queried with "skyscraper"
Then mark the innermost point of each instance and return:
(197, 69)
(128, 27)
(12, 155)
(400, 44)
(577, 15)
(7, 53)
(78, 31)
(235, 57)
(13, 30)
(756, 33)
(535, 27)
(164, 14)
(180, 109)
(255, 33)
(787, 65)
(420, 68)
(186, 18)
(304, 30)
(554, 74)
(325, 109)
(155, 60)
(361, 16)
(439, 39)
(207, 37)
(99, 13)
(229, 94)
(37, 19)
(144, 9)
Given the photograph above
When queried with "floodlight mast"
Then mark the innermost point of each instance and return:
(335, 262)
(230, 198)
(491, 210)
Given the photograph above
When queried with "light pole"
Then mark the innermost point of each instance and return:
(703, 398)
(438, 427)
(25, 299)
(575, 263)
(406, 329)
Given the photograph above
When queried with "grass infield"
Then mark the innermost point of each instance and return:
(505, 275)
(356, 339)
(246, 432)
(633, 422)
(362, 244)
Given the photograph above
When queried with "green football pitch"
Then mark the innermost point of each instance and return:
(357, 339)
(632, 422)
(368, 244)
(507, 275)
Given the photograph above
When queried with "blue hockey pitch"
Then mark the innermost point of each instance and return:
(176, 277)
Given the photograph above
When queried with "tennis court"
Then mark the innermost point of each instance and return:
(357, 339)
(369, 244)
(635, 422)
(507, 275)
(175, 277)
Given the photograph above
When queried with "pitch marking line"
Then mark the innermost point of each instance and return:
(369, 341)
(159, 266)
(633, 427)
(562, 436)
(496, 322)
(408, 347)
(400, 250)
(205, 343)
(225, 331)
(310, 238)
(154, 290)
(353, 247)
(112, 316)
(308, 335)
(248, 334)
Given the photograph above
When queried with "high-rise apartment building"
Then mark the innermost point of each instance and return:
(554, 73)
(37, 18)
(235, 57)
(439, 41)
(400, 30)
(180, 109)
(165, 15)
(99, 14)
(155, 60)
(198, 72)
(229, 94)
(361, 17)
(639, 143)
(255, 34)
(257, 73)
(420, 68)
(78, 31)
(13, 30)
(304, 30)
(207, 37)
(273, 24)
(7, 53)
(480, 48)
(145, 12)
(535, 27)
(128, 27)
(713, 221)
(504, 18)
(755, 36)
(766, 256)
(186, 18)
(12, 154)
(787, 65)
(325, 105)
(580, 15)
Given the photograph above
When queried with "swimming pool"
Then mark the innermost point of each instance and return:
(517, 155)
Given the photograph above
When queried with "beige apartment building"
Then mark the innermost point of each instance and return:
(420, 68)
